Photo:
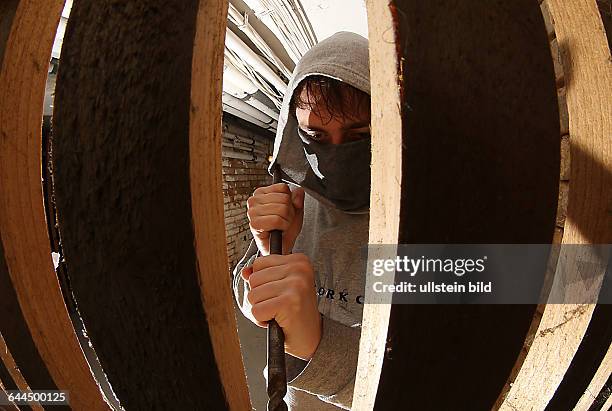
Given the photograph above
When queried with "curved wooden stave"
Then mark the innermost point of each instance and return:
(137, 156)
(28, 32)
(597, 385)
(16, 340)
(371, 358)
(586, 60)
(11, 405)
(205, 138)
(590, 366)
(367, 372)
(14, 373)
(604, 398)
(385, 196)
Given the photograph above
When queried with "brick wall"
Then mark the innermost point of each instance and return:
(245, 154)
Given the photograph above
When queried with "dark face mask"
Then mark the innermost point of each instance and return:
(342, 172)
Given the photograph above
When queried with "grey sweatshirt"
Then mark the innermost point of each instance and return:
(333, 239)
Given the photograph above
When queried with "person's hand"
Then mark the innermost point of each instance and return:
(275, 207)
(282, 288)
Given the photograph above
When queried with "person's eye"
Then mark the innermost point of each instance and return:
(310, 135)
(360, 135)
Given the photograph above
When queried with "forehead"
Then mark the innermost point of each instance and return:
(316, 111)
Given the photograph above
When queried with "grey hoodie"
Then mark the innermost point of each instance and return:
(333, 240)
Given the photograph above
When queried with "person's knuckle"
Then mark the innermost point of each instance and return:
(278, 221)
(281, 187)
(260, 190)
(257, 313)
(251, 201)
(254, 280)
(251, 297)
(291, 211)
(285, 211)
(257, 264)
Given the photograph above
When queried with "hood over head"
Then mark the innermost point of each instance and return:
(344, 57)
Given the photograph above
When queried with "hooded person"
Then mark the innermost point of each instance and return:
(334, 231)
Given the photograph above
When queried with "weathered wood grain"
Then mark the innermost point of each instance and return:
(17, 382)
(480, 164)
(587, 65)
(385, 196)
(11, 406)
(137, 136)
(590, 367)
(205, 172)
(17, 339)
(7, 13)
(26, 51)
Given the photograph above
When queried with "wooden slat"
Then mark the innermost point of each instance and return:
(385, 193)
(17, 335)
(11, 406)
(137, 169)
(590, 366)
(13, 369)
(7, 13)
(22, 219)
(480, 164)
(207, 199)
(588, 76)
(608, 404)
(597, 383)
